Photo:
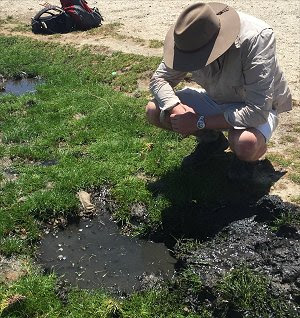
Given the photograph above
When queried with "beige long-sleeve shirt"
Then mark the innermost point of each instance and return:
(248, 72)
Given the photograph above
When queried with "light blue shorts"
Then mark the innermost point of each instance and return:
(204, 105)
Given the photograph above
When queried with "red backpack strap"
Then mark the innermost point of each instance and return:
(85, 6)
(69, 4)
(69, 7)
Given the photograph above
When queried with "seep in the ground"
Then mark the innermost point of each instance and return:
(237, 247)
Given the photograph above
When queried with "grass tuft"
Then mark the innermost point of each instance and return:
(156, 44)
(251, 295)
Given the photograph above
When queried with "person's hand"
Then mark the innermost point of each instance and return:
(179, 109)
(184, 120)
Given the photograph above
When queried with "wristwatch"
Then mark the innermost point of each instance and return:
(201, 122)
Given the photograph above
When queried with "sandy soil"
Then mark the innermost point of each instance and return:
(150, 19)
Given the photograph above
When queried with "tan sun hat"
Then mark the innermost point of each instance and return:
(202, 33)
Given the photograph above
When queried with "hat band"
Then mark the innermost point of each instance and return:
(223, 10)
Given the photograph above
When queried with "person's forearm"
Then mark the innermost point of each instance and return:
(186, 123)
(162, 86)
(216, 122)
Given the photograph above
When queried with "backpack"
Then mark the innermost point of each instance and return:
(83, 16)
(51, 20)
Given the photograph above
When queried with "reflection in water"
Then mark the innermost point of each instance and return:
(21, 86)
(94, 254)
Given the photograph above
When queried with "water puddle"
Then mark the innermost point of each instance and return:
(20, 86)
(93, 254)
(49, 163)
(10, 174)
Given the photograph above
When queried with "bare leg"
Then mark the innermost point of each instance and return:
(153, 116)
(248, 144)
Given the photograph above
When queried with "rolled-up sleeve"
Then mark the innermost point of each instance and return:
(162, 83)
(259, 66)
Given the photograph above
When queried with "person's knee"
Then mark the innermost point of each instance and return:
(246, 147)
(152, 113)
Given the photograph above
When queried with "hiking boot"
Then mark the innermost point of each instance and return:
(204, 151)
(241, 171)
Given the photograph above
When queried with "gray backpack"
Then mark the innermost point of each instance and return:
(74, 15)
(51, 20)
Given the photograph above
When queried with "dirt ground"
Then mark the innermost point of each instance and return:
(150, 19)
(144, 20)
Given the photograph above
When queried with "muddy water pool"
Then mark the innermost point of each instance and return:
(93, 254)
(20, 86)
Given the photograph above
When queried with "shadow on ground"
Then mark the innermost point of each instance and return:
(233, 222)
(203, 201)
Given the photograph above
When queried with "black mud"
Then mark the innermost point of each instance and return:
(232, 226)
(251, 242)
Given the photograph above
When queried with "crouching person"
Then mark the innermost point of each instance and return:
(231, 55)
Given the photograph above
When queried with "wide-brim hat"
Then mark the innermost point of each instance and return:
(201, 34)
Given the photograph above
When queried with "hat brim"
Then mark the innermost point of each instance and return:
(191, 61)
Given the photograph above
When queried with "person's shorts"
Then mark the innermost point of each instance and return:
(204, 105)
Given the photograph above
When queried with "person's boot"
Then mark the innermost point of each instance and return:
(241, 171)
(204, 151)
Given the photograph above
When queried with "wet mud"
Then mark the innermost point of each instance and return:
(94, 254)
(251, 242)
(235, 227)
(225, 235)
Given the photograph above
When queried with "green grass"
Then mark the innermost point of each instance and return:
(287, 138)
(106, 145)
(21, 27)
(287, 218)
(97, 136)
(290, 159)
(279, 159)
(107, 29)
(250, 294)
(156, 44)
(295, 177)
(43, 296)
